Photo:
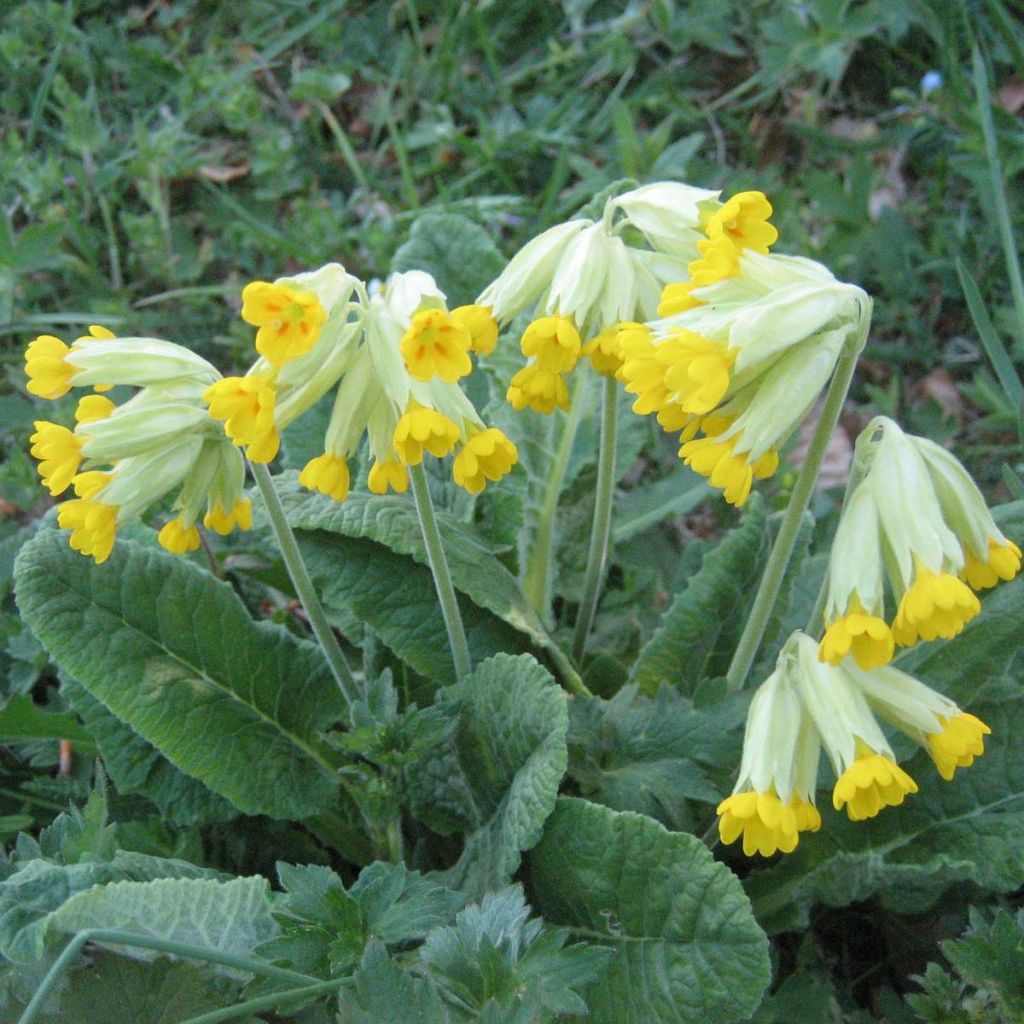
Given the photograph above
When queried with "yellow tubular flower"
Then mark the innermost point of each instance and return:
(89, 484)
(872, 782)
(1003, 563)
(959, 743)
(677, 298)
(97, 332)
(93, 526)
(732, 473)
(538, 389)
(289, 320)
(421, 428)
(385, 473)
(936, 605)
(222, 522)
(92, 408)
(743, 219)
(696, 370)
(327, 474)
(554, 342)
(487, 455)
(49, 376)
(766, 823)
(719, 259)
(867, 637)
(482, 327)
(178, 538)
(246, 404)
(436, 345)
(603, 351)
(641, 371)
(59, 452)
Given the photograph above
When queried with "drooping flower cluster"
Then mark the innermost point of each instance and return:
(121, 460)
(807, 705)
(917, 522)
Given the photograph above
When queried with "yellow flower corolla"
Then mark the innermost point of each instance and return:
(936, 605)
(224, 521)
(604, 352)
(388, 473)
(486, 455)
(436, 345)
(97, 332)
(178, 538)
(93, 526)
(289, 319)
(327, 474)
(422, 429)
(677, 297)
(867, 637)
(49, 374)
(246, 405)
(538, 389)
(1002, 563)
(874, 781)
(696, 370)
(59, 452)
(766, 823)
(92, 408)
(743, 220)
(553, 342)
(725, 467)
(482, 327)
(958, 744)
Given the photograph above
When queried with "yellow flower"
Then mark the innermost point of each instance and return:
(538, 389)
(1003, 563)
(603, 351)
(93, 526)
(766, 823)
(421, 428)
(222, 522)
(553, 342)
(92, 408)
(743, 220)
(327, 474)
(49, 375)
(246, 404)
(487, 455)
(178, 538)
(696, 370)
(641, 372)
(936, 605)
(719, 259)
(727, 469)
(874, 781)
(289, 319)
(867, 637)
(59, 452)
(436, 345)
(482, 327)
(677, 297)
(958, 744)
(89, 484)
(385, 473)
(97, 332)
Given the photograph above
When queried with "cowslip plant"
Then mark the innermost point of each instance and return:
(493, 833)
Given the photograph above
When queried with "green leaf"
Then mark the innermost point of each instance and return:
(700, 630)
(688, 950)
(22, 719)
(643, 507)
(461, 255)
(991, 955)
(173, 653)
(136, 766)
(970, 829)
(497, 779)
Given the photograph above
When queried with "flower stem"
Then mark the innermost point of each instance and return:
(304, 586)
(122, 938)
(782, 551)
(537, 577)
(439, 567)
(602, 527)
(270, 1001)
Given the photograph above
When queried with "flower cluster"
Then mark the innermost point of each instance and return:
(120, 460)
(917, 522)
(807, 705)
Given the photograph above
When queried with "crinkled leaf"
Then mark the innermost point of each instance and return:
(700, 630)
(173, 652)
(496, 780)
(688, 950)
(970, 829)
(401, 905)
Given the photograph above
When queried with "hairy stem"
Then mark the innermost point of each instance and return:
(304, 586)
(602, 526)
(782, 551)
(439, 567)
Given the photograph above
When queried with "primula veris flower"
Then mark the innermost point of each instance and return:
(482, 327)
(59, 453)
(289, 319)
(327, 474)
(486, 455)
(178, 538)
(868, 778)
(246, 405)
(435, 344)
(773, 800)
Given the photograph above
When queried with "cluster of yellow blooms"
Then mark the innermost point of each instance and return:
(395, 360)
(674, 293)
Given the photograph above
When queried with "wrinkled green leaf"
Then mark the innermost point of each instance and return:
(688, 950)
(173, 652)
(22, 719)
